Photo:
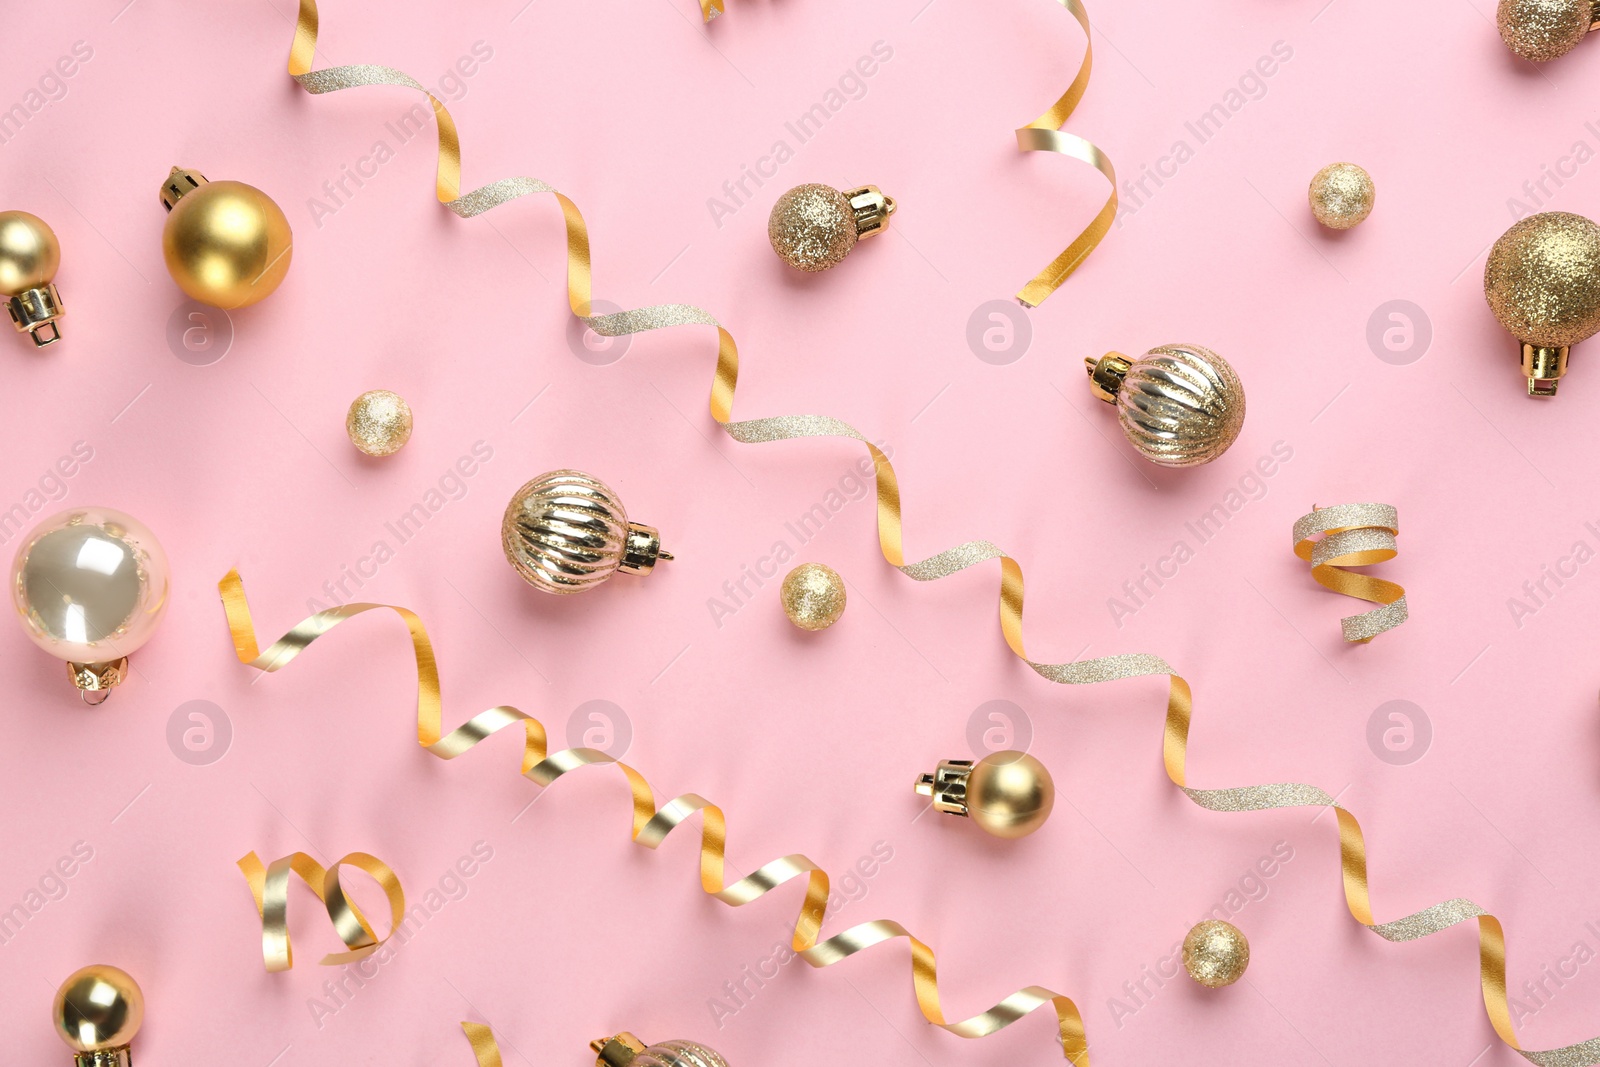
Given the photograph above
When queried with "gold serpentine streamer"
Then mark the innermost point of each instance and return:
(1354, 535)
(1034, 137)
(269, 885)
(651, 825)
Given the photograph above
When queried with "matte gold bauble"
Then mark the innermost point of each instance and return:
(1543, 30)
(1216, 953)
(379, 422)
(29, 256)
(1542, 281)
(226, 243)
(813, 596)
(1341, 195)
(97, 1012)
(813, 227)
(1008, 794)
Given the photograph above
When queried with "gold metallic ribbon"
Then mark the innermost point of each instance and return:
(483, 1044)
(1354, 535)
(1036, 136)
(270, 887)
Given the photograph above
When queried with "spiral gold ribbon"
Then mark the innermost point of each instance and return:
(650, 828)
(1354, 535)
(270, 887)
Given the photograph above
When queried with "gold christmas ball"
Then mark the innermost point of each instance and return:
(1010, 794)
(29, 253)
(813, 596)
(1542, 280)
(1216, 953)
(1341, 195)
(226, 243)
(379, 422)
(813, 227)
(1543, 30)
(1179, 405)
(98, 1009)
(566, 531)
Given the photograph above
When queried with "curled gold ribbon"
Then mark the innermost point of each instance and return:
(269, 886)
(483, 1043)
(1354, 535)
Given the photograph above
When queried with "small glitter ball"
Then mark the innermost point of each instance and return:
(813, 596)
(379, 422)
(1542, 279)
(1341, 195)
(1542, 30)
(812, 227)
(1215, 953)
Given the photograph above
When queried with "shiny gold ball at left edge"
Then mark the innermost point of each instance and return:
(29, 252)
(227, 244)
(1216, 953)
(813, 596)
(97, 1008)
(379, 422)
(1341, 195)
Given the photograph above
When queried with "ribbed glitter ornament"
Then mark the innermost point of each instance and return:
(1542, 30)
(1179, 405)
(813, 596)
(813, 227)
(1542, 281)
(566, 531)
(379, 422)
(1216, 953)
(1341, 195)
(625, 1050)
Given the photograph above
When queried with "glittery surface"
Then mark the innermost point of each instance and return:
(1542, 30)
(1356, 535)
(813, 596)
(812, 227)
(1341, 195)
(1181, 405)
(1215, 953)
(1542, 280)
(379, 422)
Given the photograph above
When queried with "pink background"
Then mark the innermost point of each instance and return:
(811, 742)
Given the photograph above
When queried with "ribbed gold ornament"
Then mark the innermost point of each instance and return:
(566, 531)
(1179, 405)
(625, 1050)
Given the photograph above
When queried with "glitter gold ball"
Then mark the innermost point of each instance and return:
(812, 227)
(379, 422)
(1542, 280)
(1341, 195)
(813, 596)
(1215, 953)
(1543, 30)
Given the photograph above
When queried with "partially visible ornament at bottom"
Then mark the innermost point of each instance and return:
(1179, 405)
(625, 1050)
(1216, 953)
(1341, 195)
(1008, 794)
(1542, 30)
(29, 256)
(97, 1012)
(567, 531)
(1542, 281)
(813, 227)
(379, 422)
(813, 596)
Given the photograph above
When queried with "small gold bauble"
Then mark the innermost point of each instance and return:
(813, 227)
(1216, 953)
(226, 243)
(379, 422)
(1543, 30)
(29, 257)
(1010, 794)
(813, 596)
(98, 1009)
(1179, 405)
(1341, 195)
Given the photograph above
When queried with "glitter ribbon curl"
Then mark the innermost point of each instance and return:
(269, 885)
(1354, 535)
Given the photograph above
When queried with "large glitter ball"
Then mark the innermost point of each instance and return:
(1341, 195)
(1542, 280)
(812, 227)
(813, 596)
(1181, 405)
(379, 422)
(1542, 30)
(1216, 953)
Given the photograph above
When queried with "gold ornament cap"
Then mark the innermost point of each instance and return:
(1180, 405)
(1542, 281)
(96, 680)
(29, 258)
(1542, 30)
(1216, 953)
(179, 184)
(1008, 794)
(813, 227)
(97, 1012)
